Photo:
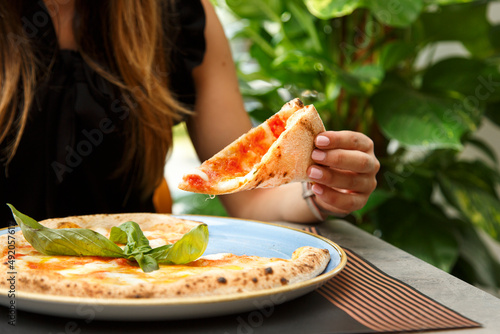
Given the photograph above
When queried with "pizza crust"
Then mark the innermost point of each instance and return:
(306, 263)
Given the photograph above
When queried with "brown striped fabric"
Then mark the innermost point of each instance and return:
(383, 303)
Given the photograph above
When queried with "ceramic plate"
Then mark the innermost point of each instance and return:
(227, 235)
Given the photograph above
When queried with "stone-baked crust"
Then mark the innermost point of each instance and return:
(307, 262)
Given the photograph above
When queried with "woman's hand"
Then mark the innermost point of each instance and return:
(345, 169)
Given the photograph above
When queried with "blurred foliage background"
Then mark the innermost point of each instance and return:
(369, 66)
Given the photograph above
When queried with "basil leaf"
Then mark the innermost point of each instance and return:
(130, 233)
(137, 244)
(188, 248)
(68, 241)
(146, 262)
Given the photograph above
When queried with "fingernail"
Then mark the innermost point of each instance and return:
(318, 155)
(315, 173)
(317, 189)
(322, 141)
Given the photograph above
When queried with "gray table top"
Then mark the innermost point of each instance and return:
(450, 291)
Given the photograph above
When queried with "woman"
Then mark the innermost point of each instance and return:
(89, 92)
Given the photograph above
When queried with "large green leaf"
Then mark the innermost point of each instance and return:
(362, 80)
(421, 231)
(399, 13)
(256, 9)
(475, 39)
(417, 119)
(477, 202)
(477, 81)
(394, 53)
(327, 9)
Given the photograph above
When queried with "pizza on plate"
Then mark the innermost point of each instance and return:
(108, 277)
(274, 153)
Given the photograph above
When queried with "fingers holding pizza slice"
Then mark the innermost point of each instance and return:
(275, 153)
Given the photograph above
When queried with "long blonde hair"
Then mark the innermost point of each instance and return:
(131, 52)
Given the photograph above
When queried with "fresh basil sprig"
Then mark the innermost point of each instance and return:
(136, 244)
(85, 242)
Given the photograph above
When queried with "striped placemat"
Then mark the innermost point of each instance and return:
(383, 303)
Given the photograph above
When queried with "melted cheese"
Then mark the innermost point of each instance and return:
(123, 272)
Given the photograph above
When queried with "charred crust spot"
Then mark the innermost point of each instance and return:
(283, 281)
(221, 280)
(178, 293)
(271, 174)
(255, 280)
(137, 296)
(187, 285)
(268, 270)
(285, 174)
(308, 127)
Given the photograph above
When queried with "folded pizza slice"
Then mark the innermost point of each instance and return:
(274, 153)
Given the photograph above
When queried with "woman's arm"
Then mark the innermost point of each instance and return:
(220, 118)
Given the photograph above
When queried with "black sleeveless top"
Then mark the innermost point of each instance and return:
(73, 142)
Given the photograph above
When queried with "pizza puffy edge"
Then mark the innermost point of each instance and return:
(306, 263)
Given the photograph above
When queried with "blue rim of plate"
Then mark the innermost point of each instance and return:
(331, 270)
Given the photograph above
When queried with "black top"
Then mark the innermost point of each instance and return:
(73, 141)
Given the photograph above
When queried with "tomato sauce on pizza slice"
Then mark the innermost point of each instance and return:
(237, 164)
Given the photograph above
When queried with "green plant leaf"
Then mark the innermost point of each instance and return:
(394, 53)
(478, 204)
(362, 80)
(476, 40)
(417, 119)
(401, 13)
(421, 231)
(477, 81)
(327, 9)
(256, 10)
(188, 248)
(68, 241)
